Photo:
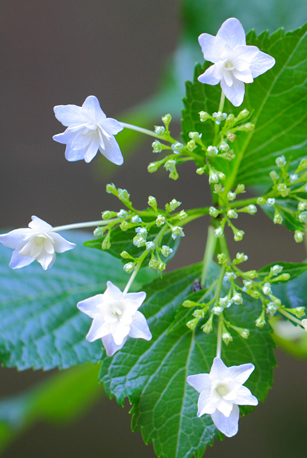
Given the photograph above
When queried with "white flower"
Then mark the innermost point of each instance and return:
(115, 317)
(221, 392)
(234, 62)
(88, 129)
(38, 242)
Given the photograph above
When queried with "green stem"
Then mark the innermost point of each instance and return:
(151, 133)
(291, 317)
(224, 247)
(209, 253)
(219, 337)
(87, 224)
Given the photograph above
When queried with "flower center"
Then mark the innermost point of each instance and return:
(116, 309)
(229, 66)
(222, 389)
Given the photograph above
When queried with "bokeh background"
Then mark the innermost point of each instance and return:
(134, 56)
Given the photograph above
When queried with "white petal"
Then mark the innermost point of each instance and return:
(212, 47)
(69, 114)
(225, 407)
(227, 425)
(245, 397)
(218, 369)
(112, 292)
(205, 405)
(138, 298)
(73, 155)
(199, 382)
(112, 126)
(46, 260)
(244, 76)
(209, 77)
(39, 225)
(235, 93)
(139, 328)
(119, 332)
(110, 345)
(60, 244)
(18, 261)
(245, 53)
(48, 245)
(91, 108)
(81, 140)
(228, 78)
(241, 373)
(14, 238)
(91, 150)
(261, 63)
(232, 32)
(97, 330)
(112, 151)
(91, 305)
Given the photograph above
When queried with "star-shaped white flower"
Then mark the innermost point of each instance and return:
(115, 317)
(221, 392)
(234, 62)
(88, 130)
(36, 242)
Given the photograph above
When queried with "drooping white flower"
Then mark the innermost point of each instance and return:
(234, 62)
(88, 129)
(221, 392)
(115, 317)
(36, 242)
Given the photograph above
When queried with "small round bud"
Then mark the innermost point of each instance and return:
(261, 201)
(123, 194)
(136, 219)
(152, 202)
(217, 310)
(213, 177)
(240, 188)
(218, 232)
(170, 164)
(231, 136)
(282, 188)
(270, 202)
(299, 312)
(283, 277)
(152, 167)
(248, 127)
(251, 274)
(267, 289)
(260, 322)
(166, 250)
(213, 212)
(238, 236)
(191, 145)
(161, 266)
(182, 215)
(174, 204)
(222, 259)
(232, 214)
(243, 114)
(275, 270)
(218, 188)
(124, 226)
(160, 220)
(157, 147)
(203, 116)
(166, 119)
(141, 231)
(241, 257)
(244, 333)
(125, 255)
(177, 147)
(212, 151)
(251, 209)
(293, 178)
(111, 189)
(139, 241)
(192, 323)
(237, 298)
(278, 219)
(302, 217)
(224, 147)
(122, 214)
(221, 175)
(231, 195)
(302, 165)
(274, 175)
(108, 215)
(272, 308)
(150, 245)
(219, 116)
(229, 155)
(298, 236)
(195, 135)
(106, 244)
(154, 264)
(230, 276)
(207, 327)
(227, 338)
(302, 206)
(177, 231)
(98, 232)
(200, 171)
(160, 130)
(281, 161)
(129, 267)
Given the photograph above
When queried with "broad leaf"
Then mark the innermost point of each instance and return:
(153, 374)
(294, 269)
(123, 241)
(278, 100)
(40, 325)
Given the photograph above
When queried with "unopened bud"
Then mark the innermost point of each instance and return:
(111, 189)
(240, 188)
(213, 212)
(260, 322)
(177, 147)
(224, 147)
(261, 201)
(272, 308)
(281, 161)
(200, 170)
(278, 219)
(108, 215)
(166, 119)
(191, 145)
(243, 114)
(267, 289)
(238, 236)
(213, 177)
(203, 116)
(150, 246)
(152, 202)
(170, 164)
(152, 167)
(222, 259)
(298, 236)
(207, 327)
(160, 130)
(98, 232)
(237, 298)
(232, 214)
(274, 175)
(182, 215)
(251, 274)
(177, 231)
(293, 178)
(275, 270)
(122, 214)
(192, 323)
(157, 146)
(125, 255)
(123, 194)
(282, 188)
(166, 250)
(124, 226)
(174, 204)
(251, 209)
(244, 333)
(302, 217)
(106, 244)
(136, 219)
(270, 202)
(218, 232)
(212, 150)
(231, 195)
(299, 312)
(195, 135)
(231, 136)
(227, 338)
(129, 267)
(160, 220)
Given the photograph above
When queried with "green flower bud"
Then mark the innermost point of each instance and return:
(122, 214)
(203, 116)
(213, 212)
(166, 119)
(106, 244)
(270, 202)
(152, 167)
(302, 217)
(244, 333)
(160, 220)
(274, 175)
(238, 236)
(157, 147)
(231, 195)
(191, 145)
(298, 236)
(251, 274)
(129, 267)
(227, 338)
(278, 219)
(124, 226)
(275, 270)
(111, 189)
(218, 232)
(152, 202)
(193, 323)
(207, 327)
(222, 259)
(159, 130)
(126, 255)
(200, 170)
(177, 147)
(299, 312)
(232, 214)
(260, 322)
(240, 188)
(108, 215)
(123, 194)
(282, 188)
(231, 136)
(302, 165)
(251, 209)
(261, 201)
(136, 219)
(229, 155)
(195, 135)
(150, 245)
(241, 257)
(170, 164)
(166, 250)
(283, 277)
(177, 231)
(98, 232)
(224, 147)
(243, 114)
(237, 298)
(267, 289)
(174, 204)
(212, 151)
(281, 161)
(302, 206)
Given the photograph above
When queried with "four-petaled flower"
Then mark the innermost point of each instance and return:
(36, 242)
(88, 129)
(115, 317)
(234, 62)
(221, 392)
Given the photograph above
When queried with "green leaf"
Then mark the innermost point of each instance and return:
(61, 398)
(278, 100)
(292, 268)
(123, 241)
(287, 208)
(40, 325)
(153, 374)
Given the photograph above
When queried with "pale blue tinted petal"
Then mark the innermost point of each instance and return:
(199, 382)
(208, 77)
(218, 369)
(241, 373)
(112, 126)
(97, 330)
(261, 63)
(139, 328)
(112, 151)
(244, 76)
(60, 244)
(225, 407)
(232, 32)
(91, 107)
(235, 93)
(14, 238)
(120, 332)
(245, 397)
(90, 306)
(139, 298)
(39, 225)
(212, 47)
(205, 406)
(110, 345)
(18, 261)
(246, 53)
(74, 154)
(68, 114)
(91, 150)
(112, 292)
(227, 425)
(46, 260)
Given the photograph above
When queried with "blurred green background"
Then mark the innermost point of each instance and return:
(134, 56)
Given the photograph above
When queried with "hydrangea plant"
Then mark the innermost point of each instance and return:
(200, 348)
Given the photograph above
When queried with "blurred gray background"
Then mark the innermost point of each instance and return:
(60, 52)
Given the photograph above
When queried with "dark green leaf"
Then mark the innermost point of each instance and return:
(292, 268)
(153, 374)
(40, 325)
(123, 241)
